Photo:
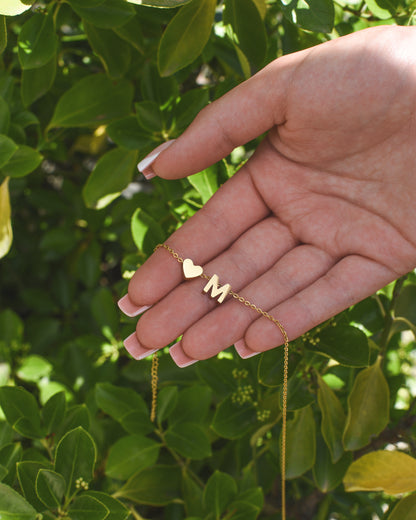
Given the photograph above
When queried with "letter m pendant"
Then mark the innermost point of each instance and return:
(216, 290)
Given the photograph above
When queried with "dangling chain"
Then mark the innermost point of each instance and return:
(154, 381)
(226, 289)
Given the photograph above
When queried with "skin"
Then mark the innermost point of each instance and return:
(319, 218)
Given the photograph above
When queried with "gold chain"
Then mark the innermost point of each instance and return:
(155, 378)
(265, 314)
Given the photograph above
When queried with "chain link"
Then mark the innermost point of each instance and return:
(154, 383)
(268, 316)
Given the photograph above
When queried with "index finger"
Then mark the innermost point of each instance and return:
(244, 113)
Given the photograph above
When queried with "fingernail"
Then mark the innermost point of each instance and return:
(129, 308)
(179, 357)
(145, 164)
(135, 349)
(243, 351)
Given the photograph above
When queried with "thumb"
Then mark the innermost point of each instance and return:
(241, 115)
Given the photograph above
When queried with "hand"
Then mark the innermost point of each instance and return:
(320, 217)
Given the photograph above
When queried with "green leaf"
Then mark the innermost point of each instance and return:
(127, 133)
(347, 345)
(216, 373)
(113, 52)
(147, 233)
(6, 233)
(3, 472)
(193, 405)
(110, 176)
(117, 510)
(77, 415)
(333, 419)
(243, 61)
(262, 7)
(88, 266)
(106, 14)
(125, 406)
(21, 411)
(53, 412)
(75, 458)
(405, 509)
(157, 89)
(50, 488)
(271, 365)
(26, 473)
(37, 82)
(160, 3)
(298, 394)
(6, 433)
(4, 117)
(192, 495)
(406, 303)
(233, 421)
(311, 15)
(166, 402)
(300, 443)
(92, 101)
(13, 506)
(85, 3)
(3, 33)
(37, 41)
(48, 389)
(13, 7)
(382, 9)
(189, 440)
(254, 496)
(57, 242)
(368, 407)
(11, 327)
(248, 28)
(205, 183)
(393, 472)
(87, 507)
(24, 119)
(131, 32)
(244, 510)
(33, 368)
(186, 36)
(157, 486)
(189, 105)
(329, 475)
(130, 455)
(104, 309)
(220, 491)
(149, 116)
(10, 455)
(24, 161)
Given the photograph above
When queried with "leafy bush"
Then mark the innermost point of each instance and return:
(87, 88)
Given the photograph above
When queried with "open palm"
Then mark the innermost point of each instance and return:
(320, 217)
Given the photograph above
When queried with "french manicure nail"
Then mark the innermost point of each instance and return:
(135, 349)
(145, 164)
(128, 308)
(243, 351)
(179, 357)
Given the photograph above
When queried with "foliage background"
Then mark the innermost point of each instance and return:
(87, 88)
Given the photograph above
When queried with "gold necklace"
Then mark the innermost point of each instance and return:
(220, 293)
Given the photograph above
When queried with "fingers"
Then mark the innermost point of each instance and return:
(349, 281)
(297, 269)
(234, 208)
(250, 256)
(239, 116)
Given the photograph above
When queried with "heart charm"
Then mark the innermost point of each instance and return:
(190, 270)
